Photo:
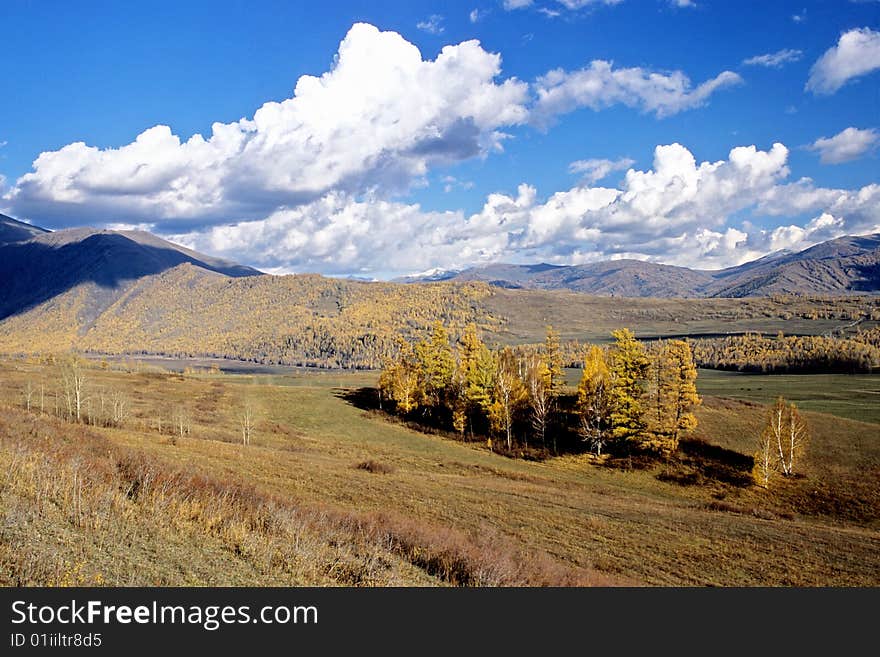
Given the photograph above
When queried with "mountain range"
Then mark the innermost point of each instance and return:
(847, 265)
(37, 265)
(123, 292)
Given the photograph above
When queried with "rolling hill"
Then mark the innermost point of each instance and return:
(847, 265)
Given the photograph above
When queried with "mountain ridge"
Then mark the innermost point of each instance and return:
(12, 230)
(845, 265)
(101, 263)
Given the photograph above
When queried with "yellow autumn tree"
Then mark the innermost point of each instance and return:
(788, 433)
(672, 396)
(437, 365)
(401, 381)
(766, 463)
(508, 395)
(627, 365)
(553, 360)
(477, 365)
(593, 402)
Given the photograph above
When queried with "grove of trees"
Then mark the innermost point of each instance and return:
(754, 352)
(630, 398)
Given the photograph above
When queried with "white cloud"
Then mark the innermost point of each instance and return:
(572, 5)
(376, 122)
(800, 17)
(857, 53)
(679, 212)
(550, 13)
(847, 145)
(451, 182)
(432, 25)
(796, 238)
(477, 15)
(593, 170)
(340, 235)
(681, 4)
(307, 184)
(600, 85)
(774, 59)
(580, 4)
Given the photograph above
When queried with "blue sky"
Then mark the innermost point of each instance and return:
(394, 160)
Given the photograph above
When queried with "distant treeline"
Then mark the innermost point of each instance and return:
(857, 353)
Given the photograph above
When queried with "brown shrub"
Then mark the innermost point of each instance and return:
(374, 466)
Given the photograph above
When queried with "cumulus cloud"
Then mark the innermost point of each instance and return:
(600, 85)
(847, 145)
(309, 183)
(377, 121)
(596, 169)
(774, 59)
(796, 238)
(338, 234)
(679, 212)
(857, 53)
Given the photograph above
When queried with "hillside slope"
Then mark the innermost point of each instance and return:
(845, 265)
(100, 264)
(317, 321)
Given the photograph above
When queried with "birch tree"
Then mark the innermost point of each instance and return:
(73, 379)
(508, 395)
(247, 420)
(540, 396)
(789, 434)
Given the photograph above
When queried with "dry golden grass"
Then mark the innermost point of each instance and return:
(216, 511)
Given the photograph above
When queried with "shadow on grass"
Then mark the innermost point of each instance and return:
(366, 399)
(424, 422)
(698, 462)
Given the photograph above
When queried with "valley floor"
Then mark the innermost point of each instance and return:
(329, 494)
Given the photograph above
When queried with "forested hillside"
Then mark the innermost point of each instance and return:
(317, 321)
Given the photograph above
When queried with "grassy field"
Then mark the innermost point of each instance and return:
(852, 396)
(330, 494)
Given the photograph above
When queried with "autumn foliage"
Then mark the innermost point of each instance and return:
(630, 398)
